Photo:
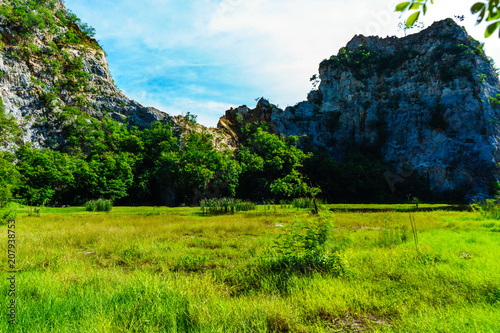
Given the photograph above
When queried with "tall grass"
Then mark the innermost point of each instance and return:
(99, 205)
(178, 271)
(306, 203)
(225, 205)
(390, 236)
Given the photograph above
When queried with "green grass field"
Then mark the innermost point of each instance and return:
(144, 269)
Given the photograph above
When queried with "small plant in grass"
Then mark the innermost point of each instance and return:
(6, 216)
(34, 211)
(416, 201)
(488, 208)
(299, 250)
(99, 205)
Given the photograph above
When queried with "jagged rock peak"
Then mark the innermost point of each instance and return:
(441, 29)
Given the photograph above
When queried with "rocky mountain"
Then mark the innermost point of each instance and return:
(51, 69)
(428, 102)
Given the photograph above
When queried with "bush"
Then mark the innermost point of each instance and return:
(495, 101)
(99, 205)
(301, 249)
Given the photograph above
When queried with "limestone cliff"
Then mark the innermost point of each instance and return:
(47, 65)
(429, 102)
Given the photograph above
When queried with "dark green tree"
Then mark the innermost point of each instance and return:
(47, 176)
(157, 151)
(271, 166)
(202, 171)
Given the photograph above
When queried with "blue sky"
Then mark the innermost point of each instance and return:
(204, 56)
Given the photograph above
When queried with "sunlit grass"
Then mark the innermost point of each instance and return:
(144, 269)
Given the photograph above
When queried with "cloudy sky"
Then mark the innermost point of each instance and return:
(204, 56)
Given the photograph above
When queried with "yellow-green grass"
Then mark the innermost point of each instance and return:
(144, 269)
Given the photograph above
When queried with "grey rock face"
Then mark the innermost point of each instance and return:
(28, 78)
(428, 102)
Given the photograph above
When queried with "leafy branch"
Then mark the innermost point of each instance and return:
(489, 10)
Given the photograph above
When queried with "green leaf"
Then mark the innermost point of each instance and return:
(412, 19)
(477, 7)
(402, 6)
(491, 29)
(481, 16)
(415, 5)
(425, 9)
(493, 16)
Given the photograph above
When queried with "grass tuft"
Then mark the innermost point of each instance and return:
(99, 205)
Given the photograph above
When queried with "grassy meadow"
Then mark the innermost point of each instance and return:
(378, 268)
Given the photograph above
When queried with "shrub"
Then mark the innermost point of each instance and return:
(48, 98)
(495, 101)
(70, 38)
(99, 205)
(301, 249)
